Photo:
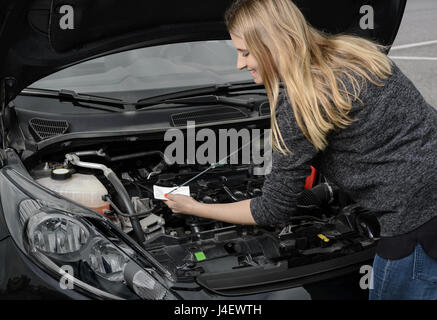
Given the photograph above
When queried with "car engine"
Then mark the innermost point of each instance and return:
(327, 225)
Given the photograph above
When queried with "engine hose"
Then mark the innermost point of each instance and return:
(121, 190)
(119, 212)
(136, 226)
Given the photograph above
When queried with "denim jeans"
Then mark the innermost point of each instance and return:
(413, 277)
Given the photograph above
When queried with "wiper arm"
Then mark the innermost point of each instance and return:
(208, 100)
(81, 100)
(208, 90)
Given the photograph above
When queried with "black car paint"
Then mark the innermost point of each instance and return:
(21, 279)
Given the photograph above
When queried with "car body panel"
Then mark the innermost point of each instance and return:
(21, 279)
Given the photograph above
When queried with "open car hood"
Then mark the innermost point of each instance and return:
(40, 37)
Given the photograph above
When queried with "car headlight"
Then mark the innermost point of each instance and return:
(72, 243)
(53, 233)
(106, 261)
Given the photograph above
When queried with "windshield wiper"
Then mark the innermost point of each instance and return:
(81, 100)
(207, 93)
(208, 100)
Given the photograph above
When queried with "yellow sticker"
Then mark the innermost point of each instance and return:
(323, 237)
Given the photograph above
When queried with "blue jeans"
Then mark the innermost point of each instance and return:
(413, 277)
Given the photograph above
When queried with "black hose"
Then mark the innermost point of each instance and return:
(136, 226)
(144, 187)
(119, 212)
(318, 196)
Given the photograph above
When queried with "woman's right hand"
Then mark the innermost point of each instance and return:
(179, 203)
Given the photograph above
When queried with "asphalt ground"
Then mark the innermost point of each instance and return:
(415, 47)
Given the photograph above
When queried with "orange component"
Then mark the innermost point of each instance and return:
(311, 179)
(102, 209)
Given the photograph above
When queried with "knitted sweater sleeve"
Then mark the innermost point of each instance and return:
(287, 177)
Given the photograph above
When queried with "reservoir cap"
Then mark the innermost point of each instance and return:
(61, 174)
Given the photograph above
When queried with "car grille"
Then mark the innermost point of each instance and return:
(210, 114)
(43, 129)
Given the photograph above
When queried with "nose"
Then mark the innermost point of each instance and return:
(241, 62)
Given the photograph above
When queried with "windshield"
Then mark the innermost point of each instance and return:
(166, 66)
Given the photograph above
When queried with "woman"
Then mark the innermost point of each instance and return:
(351, 113)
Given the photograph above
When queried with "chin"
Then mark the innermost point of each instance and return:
(258, 80)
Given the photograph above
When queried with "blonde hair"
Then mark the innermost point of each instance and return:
(310, 64)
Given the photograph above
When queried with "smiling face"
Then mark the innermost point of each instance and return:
(245, 60)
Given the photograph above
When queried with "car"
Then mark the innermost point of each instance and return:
(89, 90)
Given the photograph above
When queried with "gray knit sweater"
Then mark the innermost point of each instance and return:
(386, 160)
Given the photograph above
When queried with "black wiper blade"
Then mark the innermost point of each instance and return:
(207, 90)
(208, 100)
(81, 100)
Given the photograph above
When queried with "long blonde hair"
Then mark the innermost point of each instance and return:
(310, 64)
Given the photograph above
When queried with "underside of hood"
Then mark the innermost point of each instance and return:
(40, 37)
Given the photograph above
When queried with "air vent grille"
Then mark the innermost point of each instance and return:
(211, 114)
(43, 129)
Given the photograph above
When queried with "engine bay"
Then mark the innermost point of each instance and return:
(328, 224)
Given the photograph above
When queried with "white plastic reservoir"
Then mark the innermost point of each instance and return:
(81, 188)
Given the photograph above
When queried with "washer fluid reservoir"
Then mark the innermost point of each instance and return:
(81, 188)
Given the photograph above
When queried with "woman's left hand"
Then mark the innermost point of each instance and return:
(179, 203)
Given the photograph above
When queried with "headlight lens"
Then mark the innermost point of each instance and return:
(61, 235)
(54, 233)
(106, 260)
(143, 283)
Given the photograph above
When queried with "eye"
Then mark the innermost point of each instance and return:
(245, 54)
